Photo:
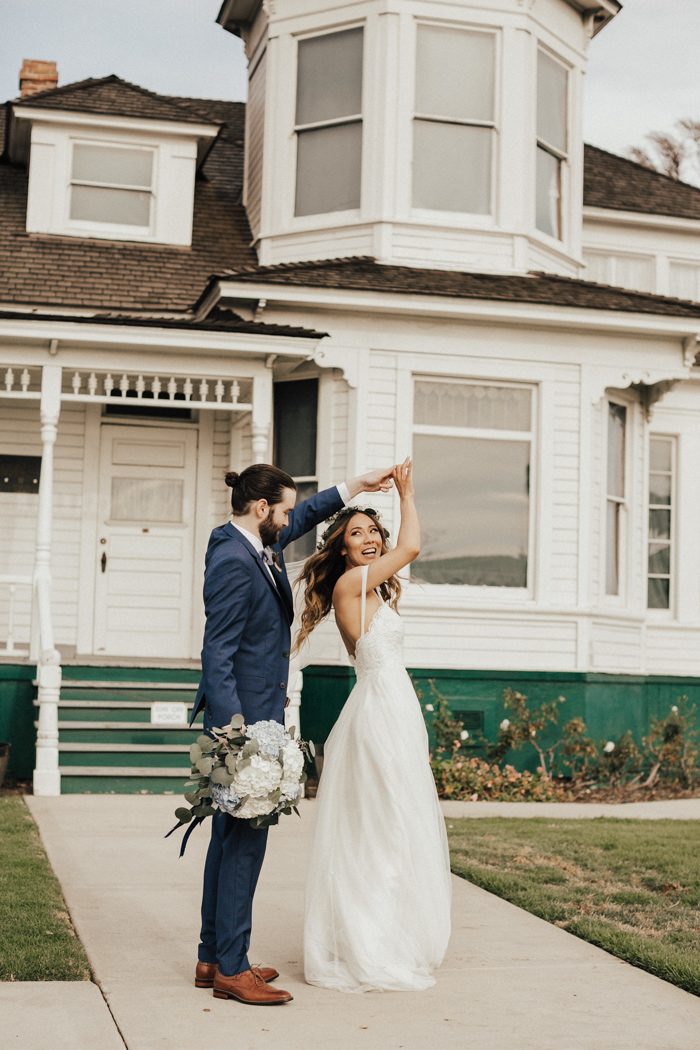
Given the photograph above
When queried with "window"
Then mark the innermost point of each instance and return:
(111, 184)
(661, 464)
(329, 123)
(472, 449)
(454, 125)
(616, 495)
(552, 143)
(295, 435)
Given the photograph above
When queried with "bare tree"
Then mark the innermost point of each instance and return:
(674, 153)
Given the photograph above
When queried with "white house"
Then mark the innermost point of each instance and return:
(399, 245)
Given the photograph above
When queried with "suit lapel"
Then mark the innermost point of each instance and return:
(283, 595)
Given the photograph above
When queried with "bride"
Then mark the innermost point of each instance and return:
(378, 890)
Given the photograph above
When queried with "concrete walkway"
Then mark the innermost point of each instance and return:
(510, 981)
(665, 809)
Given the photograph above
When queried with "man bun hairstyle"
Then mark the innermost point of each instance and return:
(261, 481)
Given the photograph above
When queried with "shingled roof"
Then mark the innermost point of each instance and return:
(613, 182)
(37, 269)
(365, 274)
(112, 96)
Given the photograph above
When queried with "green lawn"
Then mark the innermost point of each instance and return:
(37, 940)
(631, 887)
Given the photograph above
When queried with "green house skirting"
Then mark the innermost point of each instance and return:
(609, 704)
(17, 717)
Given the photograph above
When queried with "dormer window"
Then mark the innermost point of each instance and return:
(329, 123)
(111, 185)
(454, 120)
(552, 143)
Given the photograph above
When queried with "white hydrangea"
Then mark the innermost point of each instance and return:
(292, 761)
(224, 798)
(270, 737)
(464, 735)
(289, 790)
(609, 747)
(258, 779)
(255, 807)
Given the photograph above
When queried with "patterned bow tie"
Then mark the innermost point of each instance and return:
(269, 556)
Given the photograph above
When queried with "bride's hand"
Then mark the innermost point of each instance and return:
(403, 478)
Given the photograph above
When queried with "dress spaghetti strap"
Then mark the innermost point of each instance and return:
(363, 599)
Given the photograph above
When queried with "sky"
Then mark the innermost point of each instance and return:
(643, 73)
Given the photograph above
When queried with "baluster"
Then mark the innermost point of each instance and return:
(219, 391)
(172, 388)
(140, 387)
(187, 389)
(75, 382)
(156, 386)
(24, 380)
(108, 384)
(124, 385)
(9, 380)
(92, 384)
(235, 392)
(203, 390)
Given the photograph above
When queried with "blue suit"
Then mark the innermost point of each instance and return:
(245, 666)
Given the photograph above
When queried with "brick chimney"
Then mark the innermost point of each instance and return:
(37, 75)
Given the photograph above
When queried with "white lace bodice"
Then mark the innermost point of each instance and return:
(380, 646)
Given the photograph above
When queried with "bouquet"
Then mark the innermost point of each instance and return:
(251, 772)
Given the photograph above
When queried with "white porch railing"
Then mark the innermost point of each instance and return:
(10, 647)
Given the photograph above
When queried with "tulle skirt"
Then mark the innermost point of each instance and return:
(378, 888)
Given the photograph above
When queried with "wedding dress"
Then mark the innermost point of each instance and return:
(378, 888)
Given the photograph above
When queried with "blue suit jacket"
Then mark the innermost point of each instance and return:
(245, 656)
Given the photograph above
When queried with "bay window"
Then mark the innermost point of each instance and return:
(552, 143)
(111, 184)
(454, 122)
(329, 123)
(472, 450)
(616, 499)
(661, 464)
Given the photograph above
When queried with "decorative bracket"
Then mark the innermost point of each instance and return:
(691, 350)
(328, 356)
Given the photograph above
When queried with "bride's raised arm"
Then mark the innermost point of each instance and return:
(407, 546)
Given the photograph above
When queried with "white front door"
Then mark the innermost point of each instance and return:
(145, 523)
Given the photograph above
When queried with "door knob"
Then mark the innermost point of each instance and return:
(103, 561)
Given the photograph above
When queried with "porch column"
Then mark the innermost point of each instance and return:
(47, 780)
(261, 423)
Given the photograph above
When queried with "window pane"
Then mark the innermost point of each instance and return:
(551, 101)
(617, 417)
(455, 73)
(125, 167)
(547, 211)
(305, 545)
(660, 524)
(329, 78)
(329, 163)
(473, 500)
(451, 167)
(472, 405)
(296, 408)
(95, 204)
(659, 594)
(659, 558)
(146, 499)
(660, 488)
(612, 567)
(660, 454)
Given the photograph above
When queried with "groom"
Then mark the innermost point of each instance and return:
(245, 665)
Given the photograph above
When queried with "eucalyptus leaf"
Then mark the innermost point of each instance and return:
(292, 731)
(222, 776)
(205, 766)
(237, 722)
(183, 815)
(192, 797)
(231, 762)
(195, 753)
(312, 749)
(244, 763)
(205, 743)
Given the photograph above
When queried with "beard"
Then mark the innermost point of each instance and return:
(269, 531)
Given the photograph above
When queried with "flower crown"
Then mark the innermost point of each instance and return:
(332, 522)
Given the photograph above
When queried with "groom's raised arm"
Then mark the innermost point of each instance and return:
(309, 513)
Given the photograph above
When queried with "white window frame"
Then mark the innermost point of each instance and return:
(670, 612)
(562, 157)
(113, 228)
(618, 600)
(438, 215)
(484, 593)
(327, 217)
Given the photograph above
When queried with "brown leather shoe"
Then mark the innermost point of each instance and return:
(204, 974)
(250, 988)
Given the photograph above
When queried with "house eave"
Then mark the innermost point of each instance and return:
(234, 15)
(650, 220)
(600, 12)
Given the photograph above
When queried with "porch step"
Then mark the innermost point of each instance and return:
(107, 742)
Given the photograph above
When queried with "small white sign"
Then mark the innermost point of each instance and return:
(167, 713)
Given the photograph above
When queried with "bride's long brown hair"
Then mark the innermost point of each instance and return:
(323, 569)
